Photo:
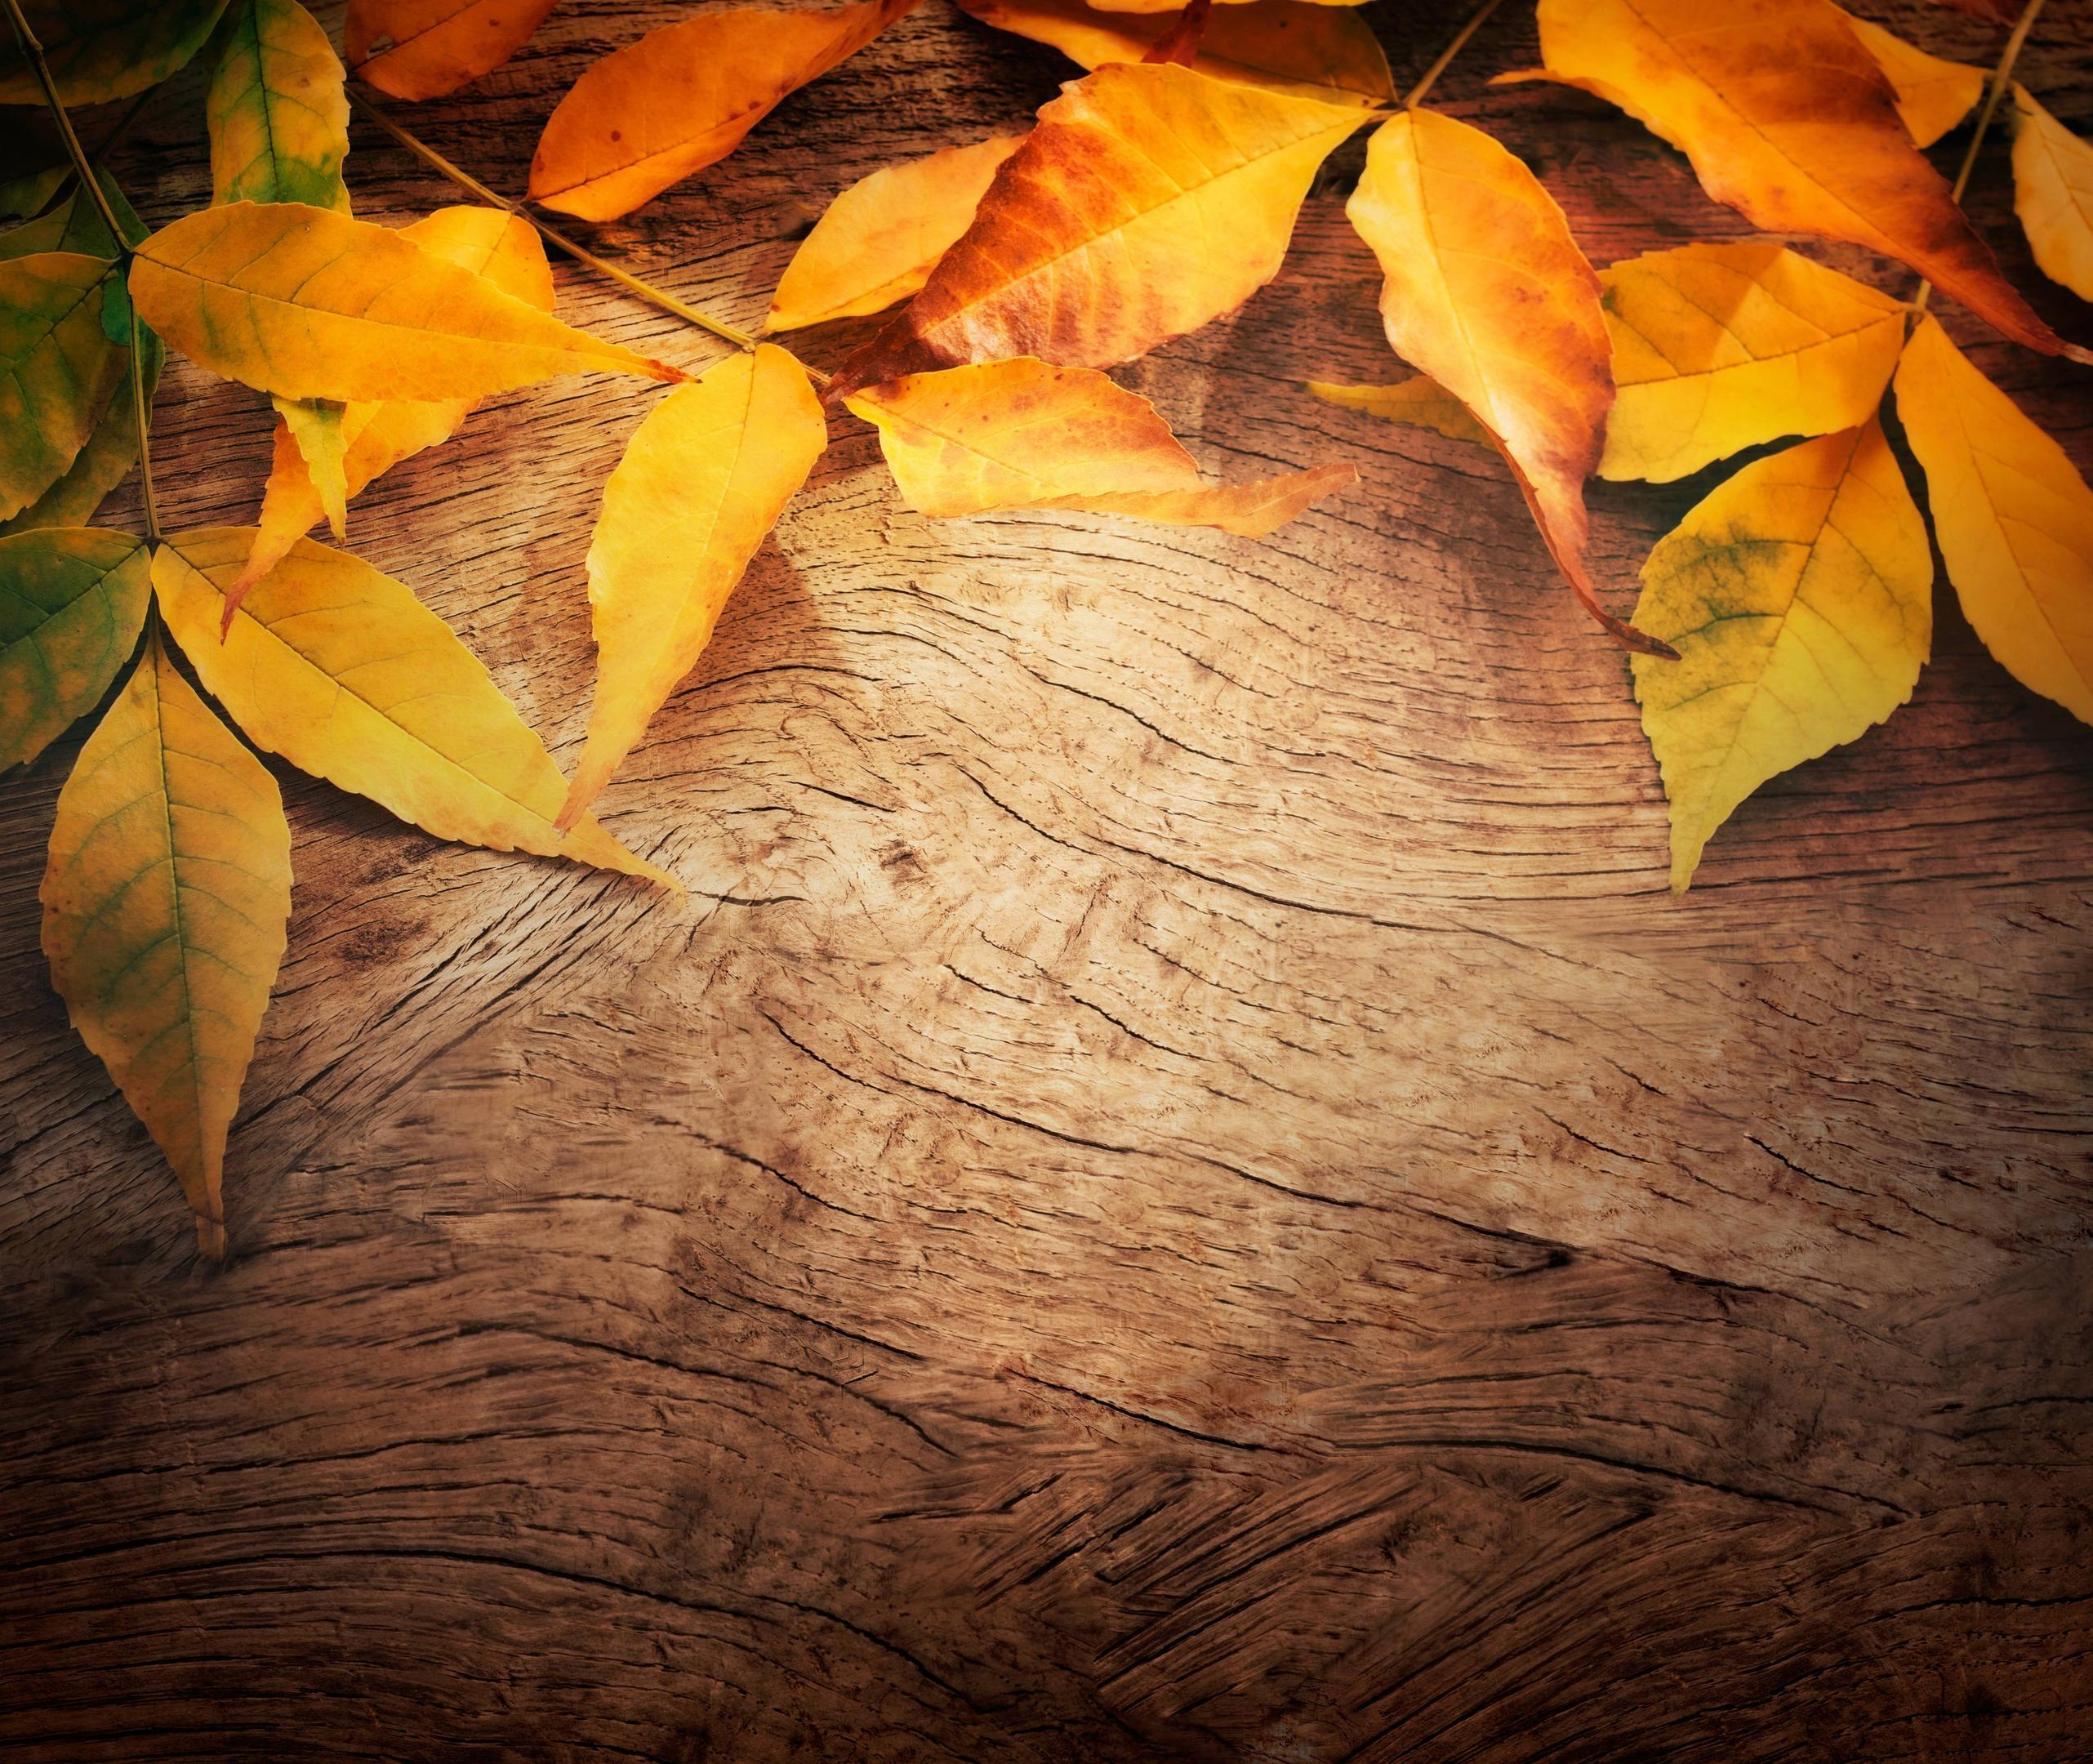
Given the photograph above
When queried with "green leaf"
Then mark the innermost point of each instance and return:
(164, 903)
(57, 369)
(71, 602)
(75, 225)
(98, 50)
(103, 463)
(278, 114)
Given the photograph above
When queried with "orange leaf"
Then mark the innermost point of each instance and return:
(682, 98)
(1484, 290)
(1011, 434)
(424, 48)
(1103, 235)
(1787, 118)
(1179, 44)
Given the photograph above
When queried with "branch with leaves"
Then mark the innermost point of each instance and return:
(1789, 611)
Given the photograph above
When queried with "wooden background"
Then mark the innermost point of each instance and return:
(1184, 1191)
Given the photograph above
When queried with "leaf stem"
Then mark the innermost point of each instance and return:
(1416, 96)
(2001, 77)
(733, 334)
(142, 410)
(32, 51)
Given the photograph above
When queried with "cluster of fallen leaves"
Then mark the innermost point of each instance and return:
(1789, 612)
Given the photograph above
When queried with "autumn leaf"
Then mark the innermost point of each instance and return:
(1096, 241)
(1799, 597)
(1182, 37)
(1138, 8)
(71, 602)
(98, 50)
(1787, 118)
(341, 671)
(1419, 401)
(315, 428)
(58, 369)
(879, 241)
(278, 116)
(298, 300)
(376, 437)
(1023, 434)
(102, 464)
(1932, 94)
(1291, 46)
(2053, 193)
(425, 48)
(1484, 290)
(1718, 348)
(2013, 517)
(164, 904)
(702, 480)
(683, 97)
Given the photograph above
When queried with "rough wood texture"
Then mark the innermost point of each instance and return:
(1186, 1193)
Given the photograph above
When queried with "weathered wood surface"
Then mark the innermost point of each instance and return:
(1184, 1194)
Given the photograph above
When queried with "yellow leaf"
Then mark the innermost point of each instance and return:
(682, 98)
(1290, 46)
(98, 50)
(278, 115)
(1799, 596)
(341, 671)
(1103, 234)
(376, 437)
(1932, 94)
(57, 369)
(314, 426)
(1420, 401)
(424, 48)
(1786, 117)
(880, 239)
(1021, 434)
(1484, 290)
(164, 903)
(309, 303)
(71, 602)
(1717, 348)
(2053, 193)
(2013, 517)
(703, 479)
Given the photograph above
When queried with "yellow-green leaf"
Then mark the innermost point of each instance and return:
(278, 114)
(1420, 401)
(2053, 193)
(72, 602)
(341, 671)
(2014, 519)
(98, 50)
(879, 241)
(57, 369)
(703, 479)
(75, 224)
(315, 428)
(164, 904)
(301, 301)
(1718, 348)
(1799, 596)
(1022, 435)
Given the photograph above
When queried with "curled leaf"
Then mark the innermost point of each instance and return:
(277, 116)
(1483, 289)
(2053, 193)
(1098, 240)
(1717, 348)
(1420, 401)
(879, 241)
(315, 428)
(683, 97)
(98, 50)
(303, 302)
(1787, 118)
(2013, 517)
(424, 48)
(71, 602)
(342, 671)
(58, 369)
(1290, 46)
(1022, 435)
(164, 903)
(1799, 597)
(701, 482)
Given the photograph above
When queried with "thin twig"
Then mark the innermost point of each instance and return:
(2001, 77)
(1416, 94)
(142, 412)
(465, 180)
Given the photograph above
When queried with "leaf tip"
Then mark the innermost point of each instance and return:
(210, 1237)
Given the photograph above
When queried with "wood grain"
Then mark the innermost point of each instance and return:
(1182, 1192)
